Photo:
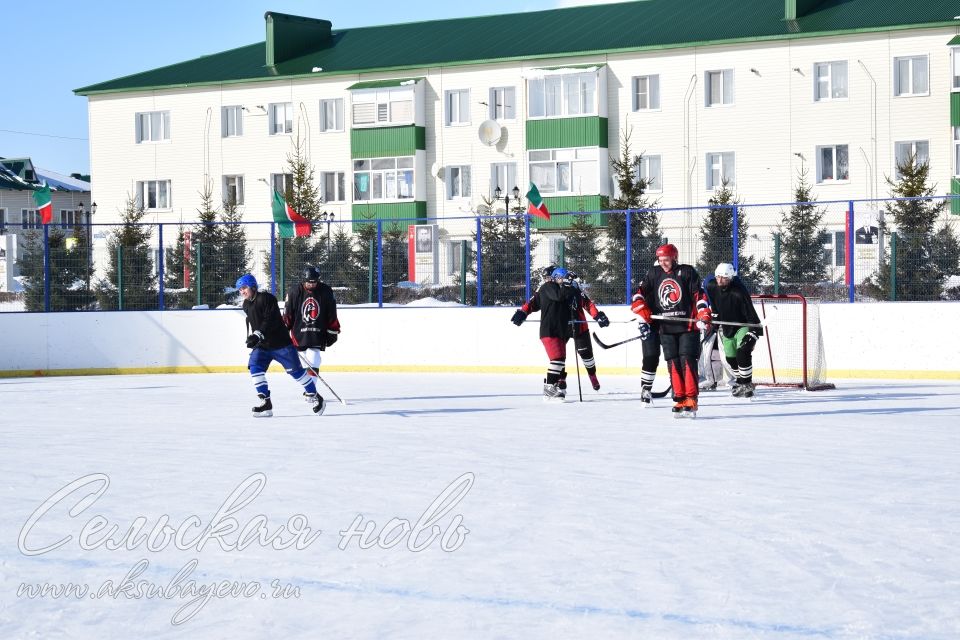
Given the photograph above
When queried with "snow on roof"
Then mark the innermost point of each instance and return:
(60, 182)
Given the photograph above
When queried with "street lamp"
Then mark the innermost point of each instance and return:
(328, 217)
(506, 197)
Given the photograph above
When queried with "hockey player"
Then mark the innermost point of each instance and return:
(731, 302)
(556, 300)
(270, 342)
(310, 312)
(581, 334)
(674, 290)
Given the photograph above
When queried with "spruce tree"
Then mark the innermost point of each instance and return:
(235, 256)
(582, 249)
(503, 254)
(131, 270)
(395, 261)
(645, 234)
(342, 270)
(802, 237)
(716, 235)
(206, 253)
(924, 251)
(68, 273)
(175, 294)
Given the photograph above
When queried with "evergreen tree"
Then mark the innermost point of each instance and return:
(342, 269)
(645, 234)
(234, 254)
(175, 294)
(582, 249)
(207, 253)
(365, 241)
(395, 261)
(924, 252)
(130, 260)
(293, 254)
(716, 235)
(68, 273)
(802, 237)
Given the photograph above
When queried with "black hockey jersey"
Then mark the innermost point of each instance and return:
(263, 315)
(674, 294)
(557, 304)
(312, 315)
(732, 304)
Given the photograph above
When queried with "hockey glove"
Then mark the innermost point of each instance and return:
(331, 337)
(254, 340)
(518, 317)
(749, 341)
(703, 319)
(644, 329)
(639, 307)
(602, 320)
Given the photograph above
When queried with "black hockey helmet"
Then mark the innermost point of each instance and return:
(310, 274)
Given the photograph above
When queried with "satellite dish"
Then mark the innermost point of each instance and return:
(489, 132)
(436, 169)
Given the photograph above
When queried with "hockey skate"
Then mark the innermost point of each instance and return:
(553, 393)
(678, 409)
(690, 408)
(646, 398)
(562, 384)
(319, 405)
(735, 390)
(264, 409)
(594, 381)
(708, 385)
(744, 390)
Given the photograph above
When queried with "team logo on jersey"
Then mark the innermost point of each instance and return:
(309, 311)
(669, 293)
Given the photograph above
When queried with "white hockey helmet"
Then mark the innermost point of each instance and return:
(725, 270)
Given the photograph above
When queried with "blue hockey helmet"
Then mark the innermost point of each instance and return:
(246, 280)
(560, 273)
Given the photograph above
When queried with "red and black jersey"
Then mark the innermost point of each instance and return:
(581, 304)
(675, 294)
(312, 315)
(557, 304)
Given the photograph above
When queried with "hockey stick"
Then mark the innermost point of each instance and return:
(655, 394)
(718, 322)
(596, 322)
(316, 374)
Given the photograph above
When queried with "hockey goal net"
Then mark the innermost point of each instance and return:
(790, 353)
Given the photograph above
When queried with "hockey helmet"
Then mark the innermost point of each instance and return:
(546, 272)
(310, 274)
(246, 280)
(560, 273)
(668, 251)
(725, 270)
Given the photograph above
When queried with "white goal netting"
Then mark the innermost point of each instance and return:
(790, 353)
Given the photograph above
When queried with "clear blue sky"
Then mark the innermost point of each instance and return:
(54, 47)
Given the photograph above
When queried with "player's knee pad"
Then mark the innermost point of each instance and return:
(650, 363)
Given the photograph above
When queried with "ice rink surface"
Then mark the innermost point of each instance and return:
(488, 513)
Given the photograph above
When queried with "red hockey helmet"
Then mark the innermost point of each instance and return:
(668, 251)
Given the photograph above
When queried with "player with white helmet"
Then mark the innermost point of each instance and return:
(731, 302)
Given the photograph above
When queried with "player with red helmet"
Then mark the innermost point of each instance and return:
(674, 291)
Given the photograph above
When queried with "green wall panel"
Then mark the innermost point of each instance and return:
(560, 219)
(410, 212)
(955, 109)
(955, 190)
(387, 142)
(563, 133)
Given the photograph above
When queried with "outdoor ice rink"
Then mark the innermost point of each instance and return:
(826, 515)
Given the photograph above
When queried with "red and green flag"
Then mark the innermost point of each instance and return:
(44, 204)
(536, 206)
(291, 223)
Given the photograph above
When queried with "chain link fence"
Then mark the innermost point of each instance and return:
(850, 251)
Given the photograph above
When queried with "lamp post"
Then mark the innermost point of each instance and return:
(506, 200)
(328, 217)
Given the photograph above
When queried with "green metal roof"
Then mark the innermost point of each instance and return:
(584, 30)
(955, 40)
(380, 84)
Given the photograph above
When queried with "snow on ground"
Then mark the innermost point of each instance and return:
(824, 515)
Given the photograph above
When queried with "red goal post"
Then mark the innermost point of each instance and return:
(790, 353)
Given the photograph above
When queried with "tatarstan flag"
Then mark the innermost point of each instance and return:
(536, 206)
(44, 204)
(291, 223)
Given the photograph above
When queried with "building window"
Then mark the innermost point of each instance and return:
(458, 182)
(721, 170)
(646, 93)
(458, 107)
(650, 171)
(333, 186)
(558, 96)
(3, 221)
(383, 179)
(956, 69)
(282, 182)
(153, 126)
(829, 81)
(503, 103)
(281, 118)
(231, 122)
(835, 248)
(503, 175)
(30, 219)
(331, 115)
(910, 76)
(833, 163)
(956, 151)
(233, 189)
(564, 171)
(718, 88)
(154, 194)
(919, 149)
(383, 106)
(69, 218)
